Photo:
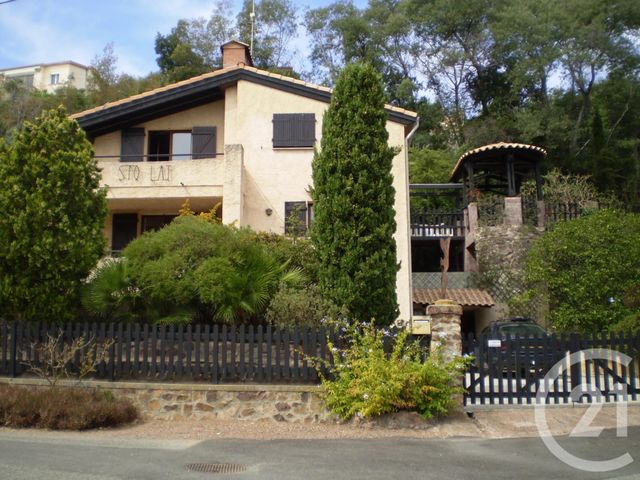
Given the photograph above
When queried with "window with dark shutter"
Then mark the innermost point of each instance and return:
(295, 218)
(294, 130)
(132, 145)
(203, 142)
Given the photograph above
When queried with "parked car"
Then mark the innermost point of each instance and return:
(516, 344)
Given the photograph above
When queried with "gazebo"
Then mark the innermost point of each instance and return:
(499, 168)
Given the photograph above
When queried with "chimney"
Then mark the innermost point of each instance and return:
(235, 53)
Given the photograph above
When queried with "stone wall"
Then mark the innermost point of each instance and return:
(279, 403)
(502, 252)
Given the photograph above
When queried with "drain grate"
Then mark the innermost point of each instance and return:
(216, 467)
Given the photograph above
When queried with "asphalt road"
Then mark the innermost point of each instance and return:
(33, 455)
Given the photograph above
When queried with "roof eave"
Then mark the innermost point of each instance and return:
(96, 121)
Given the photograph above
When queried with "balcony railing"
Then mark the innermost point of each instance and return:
(434, 225)
(168, 175)
(158, 157)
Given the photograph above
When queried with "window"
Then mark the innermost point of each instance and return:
(124, 228)
(132, 145)
(26, 80)
(294, 130)
(54, 79)
(298, 217)
(184, 145)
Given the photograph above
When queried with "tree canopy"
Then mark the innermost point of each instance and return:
(590, 269)
(53, 215)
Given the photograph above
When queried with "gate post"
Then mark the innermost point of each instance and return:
(445, 327)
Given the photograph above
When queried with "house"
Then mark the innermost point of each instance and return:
(240, 137)
(49, 76)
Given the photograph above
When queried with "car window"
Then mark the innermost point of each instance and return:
(486, 331)
(521, 330)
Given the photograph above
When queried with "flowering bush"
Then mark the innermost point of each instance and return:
(365, 381)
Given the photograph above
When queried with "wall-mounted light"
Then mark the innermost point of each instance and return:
(268, 211)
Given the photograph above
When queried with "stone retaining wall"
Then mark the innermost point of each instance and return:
(172, 401)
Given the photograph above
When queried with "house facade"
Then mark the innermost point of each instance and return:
(238, 137)
(49, 76)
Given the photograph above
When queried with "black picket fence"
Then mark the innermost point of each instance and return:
(552, 369)
(562, 212)
(198, 353)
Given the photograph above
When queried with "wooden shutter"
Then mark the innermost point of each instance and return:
(292, 225)
(203, 142)
(294, 130)
(282, 130)
(306, 130)
(132, 145)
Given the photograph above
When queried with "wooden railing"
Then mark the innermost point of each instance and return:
(434, 225)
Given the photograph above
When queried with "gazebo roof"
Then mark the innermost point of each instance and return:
(531, 152)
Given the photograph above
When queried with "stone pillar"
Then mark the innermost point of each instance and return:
(513, 211)
(232, 189)
(542, 218)
(445, 327)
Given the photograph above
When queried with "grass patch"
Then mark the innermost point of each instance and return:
(63, 408)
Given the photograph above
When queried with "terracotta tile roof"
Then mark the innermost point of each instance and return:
(498, 146)
(467, 297)
(216, 73)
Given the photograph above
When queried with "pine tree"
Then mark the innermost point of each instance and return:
(52, 217)
(354, 217)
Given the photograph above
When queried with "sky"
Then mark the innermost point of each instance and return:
(46, 31)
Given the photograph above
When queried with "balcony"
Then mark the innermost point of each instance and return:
(437, 224)
(162, 179)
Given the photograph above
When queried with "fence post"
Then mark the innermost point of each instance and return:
(14, 349)
(575, 368)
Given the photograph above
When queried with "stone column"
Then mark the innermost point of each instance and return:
(445, 327)
(232, 189)
(513, 211)
(542, 218)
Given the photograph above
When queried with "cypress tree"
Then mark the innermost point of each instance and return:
(353, 199)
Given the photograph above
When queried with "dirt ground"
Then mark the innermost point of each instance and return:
(498, 423)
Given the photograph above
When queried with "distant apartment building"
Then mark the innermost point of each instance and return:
(49, 76)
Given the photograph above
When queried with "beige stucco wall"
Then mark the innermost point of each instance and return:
(275, 176)
(272, 176)
(178, 178)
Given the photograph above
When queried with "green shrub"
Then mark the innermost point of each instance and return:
(298, 253)
(62, 408)
(365, 381)
(111, 293)
(191, 269)
(291, 307)
(589, 268)
(629, 324)
(53, 212)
